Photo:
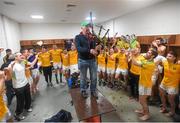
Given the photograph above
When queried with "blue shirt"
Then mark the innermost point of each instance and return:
(31, 59)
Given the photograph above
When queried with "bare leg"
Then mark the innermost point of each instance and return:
(163, 99)
(146, 115)
(171, 98)
(140, 111)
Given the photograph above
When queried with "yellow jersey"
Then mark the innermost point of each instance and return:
(65, 59)
(27, 72)
(134, 68)
(56, 55)
(27, 69)
(45, 59)
(111, 61)
(123, 63)
(73, 57)
(147, 70)
(171, 74)
(3, 108)
(101, 60)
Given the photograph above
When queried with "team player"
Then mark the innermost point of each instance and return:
(111, 66)
(170, 82)
(122, 67)
(101, 60)
(134, 74)
(73, 59)
(4, 111)
(56, 59)
(34, 70)
(148, 70)
(45, 61)
(65, 64)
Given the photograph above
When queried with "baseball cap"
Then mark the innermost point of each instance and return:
(85, 24)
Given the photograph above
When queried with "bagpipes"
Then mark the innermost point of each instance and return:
(107, 42)
(103, 41)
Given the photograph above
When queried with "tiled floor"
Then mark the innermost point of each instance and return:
(52, 99)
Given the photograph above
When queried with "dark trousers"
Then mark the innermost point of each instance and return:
(9, 91)
(47, 71)
(134, 85)
(23, 97)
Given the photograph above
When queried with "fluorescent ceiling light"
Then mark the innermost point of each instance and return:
(88, 18)
(37, 17)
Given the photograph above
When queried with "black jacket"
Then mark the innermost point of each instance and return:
(84, 45)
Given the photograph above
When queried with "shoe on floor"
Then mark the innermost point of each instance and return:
(48, 84)
(57, 82)
(51, 84)
(84, 94)
(62, 83)
(19, 117)
(100, 82)
(29, 110)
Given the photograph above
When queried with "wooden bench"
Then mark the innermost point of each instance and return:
(90, 107)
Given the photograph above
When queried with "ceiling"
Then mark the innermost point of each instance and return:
(58, 11)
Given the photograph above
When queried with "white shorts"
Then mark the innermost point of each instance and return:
(57, 65)
(35, 73)
(124, 72)
(169, 90)
(110, 71)
(74, 68)
(30, 80)
(65, 68)
(101, 68)
(144, 91)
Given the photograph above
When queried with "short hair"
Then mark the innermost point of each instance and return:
(161, 40)
(22, 50)
(154, 52)
(8, 50)
(16, 54)
(173, 53)
(30, 48)
(44, 47)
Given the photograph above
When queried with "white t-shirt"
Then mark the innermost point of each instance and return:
(19, 77)
(160, 58)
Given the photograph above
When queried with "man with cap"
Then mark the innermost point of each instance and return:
(86, 60)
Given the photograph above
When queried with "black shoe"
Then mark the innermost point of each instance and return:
(94, 94)
(104, 83)
(48, 84)
(19, 117)
(84, 94)
(100, 82)
(57, 81)
(51, 84)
